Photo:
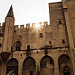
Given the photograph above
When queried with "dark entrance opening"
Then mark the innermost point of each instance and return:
(12, 70)
(31, 72)
(66, 70)
(12, 67)
(67, 73)
(29, 66)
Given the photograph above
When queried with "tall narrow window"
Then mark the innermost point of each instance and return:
(31, 72)
(41, 35)
(18, 45)
(28, 46)
(49, 42)
(60, 22)
(11, 49)
(0, 45)
(17, 48)
(51, 61)
(63, 41)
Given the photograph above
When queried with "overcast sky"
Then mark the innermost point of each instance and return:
(26, 11)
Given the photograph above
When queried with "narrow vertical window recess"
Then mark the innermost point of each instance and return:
(50, 42)
(17, 48)
(0, 45)
(63, 41)
(31, 72)
(60, 22)
(18, 45)
(51, 61)
(21, 55)
(28, 46)
(41, 35)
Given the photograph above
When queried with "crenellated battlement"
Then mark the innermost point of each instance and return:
(16, 27)
(31, 25)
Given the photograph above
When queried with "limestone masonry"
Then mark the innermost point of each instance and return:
(47, 50)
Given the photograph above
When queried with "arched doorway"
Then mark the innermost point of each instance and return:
(0, 67)
(47, 66)
(65, 65)
(66, 70)
(29, 66)
(12, 67)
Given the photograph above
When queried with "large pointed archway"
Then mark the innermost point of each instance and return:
(29, 66)
(65, 65)
(47, 66)
(12, 67)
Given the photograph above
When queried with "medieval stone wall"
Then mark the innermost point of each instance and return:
(47, 50)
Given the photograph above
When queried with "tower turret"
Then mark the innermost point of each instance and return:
(10, 12)
(69, 14)
(8, 32)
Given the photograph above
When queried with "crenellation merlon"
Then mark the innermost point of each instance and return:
(33, 24)
(16, 27)
(40, 23)
(28, 25)
(45, 23)
(21, 26)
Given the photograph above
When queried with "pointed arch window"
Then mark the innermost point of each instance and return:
(18, 45)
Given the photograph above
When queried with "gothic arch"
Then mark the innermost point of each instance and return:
(46, 66)
(63, 59)
(12, 66)
(17, 45)
(65, 65)
(18, 42)
(29, 66)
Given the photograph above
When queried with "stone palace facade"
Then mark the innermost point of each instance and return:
(48, 50)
